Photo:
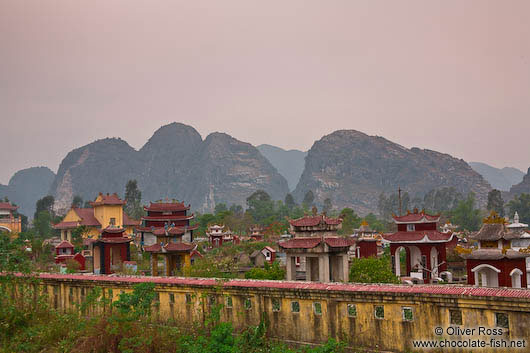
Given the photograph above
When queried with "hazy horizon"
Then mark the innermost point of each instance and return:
(444, 75)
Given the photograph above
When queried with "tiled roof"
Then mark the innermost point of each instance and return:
(313, 242)
(166, 206)
(66, 225)
(170, 247)
(113, 230)
(416, 217)
(153, 248)
(7, 206)
(65, 244)
(446, 290)
(336, 242)
(494, 254)
(311, 221)
(112, 199)
(418, 236)
(495, 231)
(300, 243)
(179, 247)
(87, 217)
(127, 221)
(167, 218)
(114, 240)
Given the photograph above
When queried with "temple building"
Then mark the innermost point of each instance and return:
(107, 210)
(498, 260)
(166, 232)
(219, 234)
(9, 222)
(424, 247)
(110, 250)
(65, 251)
(256, 232)
(315, 242)
(162, 217)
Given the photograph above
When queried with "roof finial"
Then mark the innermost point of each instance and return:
(516, 217)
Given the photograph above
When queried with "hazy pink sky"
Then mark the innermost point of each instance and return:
(452, 76)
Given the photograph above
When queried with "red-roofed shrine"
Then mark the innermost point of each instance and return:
(323, 255)
(166, 231)
(110, 250)
(424, 245)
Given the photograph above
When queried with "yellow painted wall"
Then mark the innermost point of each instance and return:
(104, 213)
(391, 333)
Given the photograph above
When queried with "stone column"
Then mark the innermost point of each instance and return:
(154, 264)
(167, 259)
(291, 268)
(69, 235)
(308, 262)
(345, 268)
(323, 268)
(484, 279)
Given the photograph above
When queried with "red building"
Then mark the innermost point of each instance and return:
(65, 251)
(424, 246)
(111, 250)
(316, 249)
(166, 232)
(219, 234)
(494, 263)
(256, 233)
(162, 217)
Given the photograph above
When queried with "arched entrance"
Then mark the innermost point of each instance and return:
(486, 275)
(516, 275)
(400, 261)
(5, 229)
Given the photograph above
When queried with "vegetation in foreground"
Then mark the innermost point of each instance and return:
(127, 325)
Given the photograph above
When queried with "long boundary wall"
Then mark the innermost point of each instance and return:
(371, 316)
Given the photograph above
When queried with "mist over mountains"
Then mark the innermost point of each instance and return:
(347, 166)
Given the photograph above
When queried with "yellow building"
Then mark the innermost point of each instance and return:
(107, 210)
(8, 221)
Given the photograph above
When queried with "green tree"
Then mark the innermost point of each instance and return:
(42, 224)
(521, 205)
(261, 207)
(45, 204)
(237, 210)
(309, 199)
(289, 201)
(77, 201)
(133, 199)
(272, 272)
(372, 270)
(495, 202)
(465, 215)
(328, 206)
(350, 221)
(220, 208)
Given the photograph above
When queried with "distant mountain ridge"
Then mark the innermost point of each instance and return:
(522, 187)
(174, 163)
(353, 169)
(501, 179)
(27, 186)
(290, 163)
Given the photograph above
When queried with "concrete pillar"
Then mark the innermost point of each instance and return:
(168, 265)
(308, 262)
(291, 268)
(484, 278)
(154, 264)
(323, 268)
(69, 235)
(345, 268)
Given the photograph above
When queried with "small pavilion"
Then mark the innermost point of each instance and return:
(9, 221)
(65, 251)
(315, 242)
(110, 250)
(496, 262)
(218, 234)
(424, 245)
(256, 232)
